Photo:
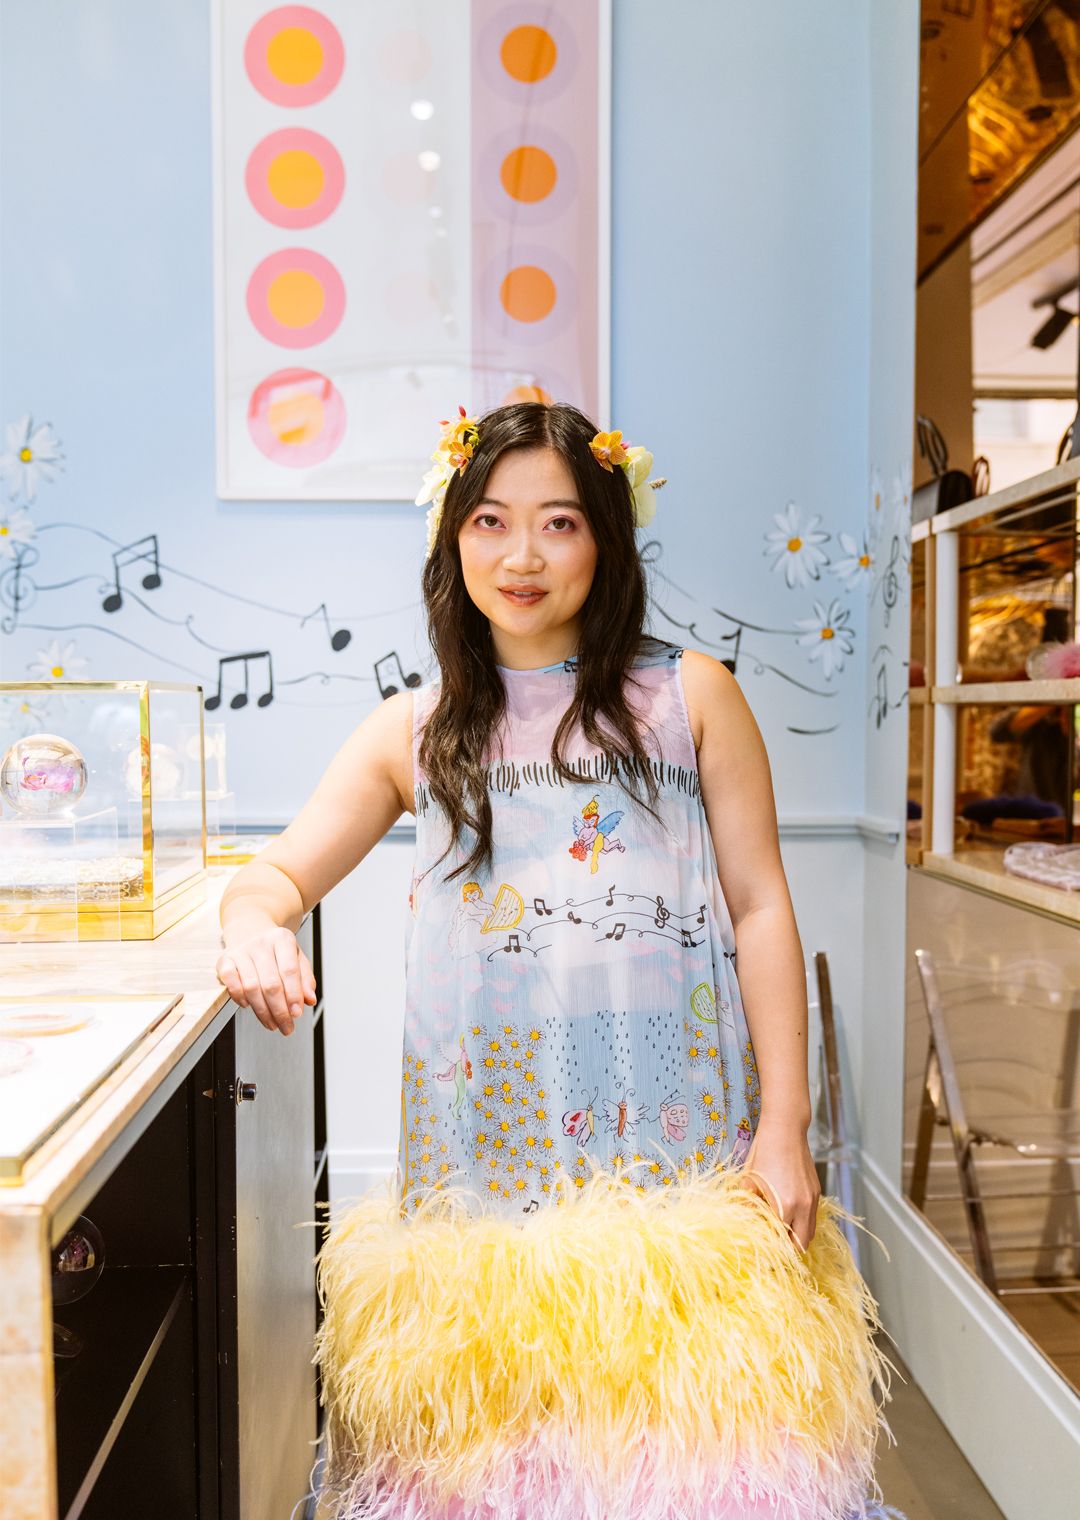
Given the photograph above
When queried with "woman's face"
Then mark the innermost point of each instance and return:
(529, 531)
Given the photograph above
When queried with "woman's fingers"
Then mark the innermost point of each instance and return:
(262, 983)
(307, 978)
(271, 975)
(287, 956)
(229, 978)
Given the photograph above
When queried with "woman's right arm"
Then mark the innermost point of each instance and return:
(365, 789)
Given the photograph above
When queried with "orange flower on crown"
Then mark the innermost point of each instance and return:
(608, 450)
(456, 446)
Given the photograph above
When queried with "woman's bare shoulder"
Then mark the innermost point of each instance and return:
(710, 690)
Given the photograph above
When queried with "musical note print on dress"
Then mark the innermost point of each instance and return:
(641, 1061)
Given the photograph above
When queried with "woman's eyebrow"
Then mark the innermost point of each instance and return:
(490, 501)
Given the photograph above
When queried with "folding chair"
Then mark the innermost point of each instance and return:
(828, 1134)
(1048, 1134)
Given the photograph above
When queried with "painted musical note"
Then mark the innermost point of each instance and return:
(339, 637)
(610, 898)
(394, 680)
(616, 933)
(143, 550)
(540, 906)
(572, 916)
(241, 698)
(531, 1207)
(662, 913)
(514, 944)
(688, 940)
(701, 914)
(732, 663)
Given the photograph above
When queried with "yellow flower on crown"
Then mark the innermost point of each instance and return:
(635, 462)
(455, 448)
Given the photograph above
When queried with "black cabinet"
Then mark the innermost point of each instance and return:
(194, 1397)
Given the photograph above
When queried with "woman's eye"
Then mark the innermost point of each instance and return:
(486, 517)
(568, 520)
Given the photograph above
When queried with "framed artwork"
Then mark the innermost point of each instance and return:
(412, 212)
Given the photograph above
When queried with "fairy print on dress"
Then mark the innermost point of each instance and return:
(460, 1073)
(674, 1117)
(708, 1005)
(623, 1117)
(593, 835)
(474, 914)
(581, 1122)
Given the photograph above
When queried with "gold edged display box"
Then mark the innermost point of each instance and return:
(143, 748)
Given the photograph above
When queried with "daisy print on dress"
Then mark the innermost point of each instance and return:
(594, 835)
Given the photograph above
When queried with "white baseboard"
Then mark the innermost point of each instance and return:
(353, 1172)
(1014, 1417)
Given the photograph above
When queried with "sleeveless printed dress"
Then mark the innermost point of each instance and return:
(566, 1304)
(578, 1001)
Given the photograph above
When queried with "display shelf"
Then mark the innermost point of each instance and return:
(984, 871)
(1061, 692)
(997, 579)
(123, 1322)
(1051, 483)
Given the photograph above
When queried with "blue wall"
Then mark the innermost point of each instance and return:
(740, 353)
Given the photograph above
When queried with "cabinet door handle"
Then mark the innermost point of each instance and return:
(246, 1092)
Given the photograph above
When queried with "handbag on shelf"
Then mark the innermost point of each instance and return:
(948, 488)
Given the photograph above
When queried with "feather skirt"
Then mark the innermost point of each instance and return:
(667, 1356)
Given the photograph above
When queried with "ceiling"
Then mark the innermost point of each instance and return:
(999, 91)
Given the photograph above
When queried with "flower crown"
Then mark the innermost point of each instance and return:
(457, 444)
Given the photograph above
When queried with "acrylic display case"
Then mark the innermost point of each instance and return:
(993, 756)
(142, 744)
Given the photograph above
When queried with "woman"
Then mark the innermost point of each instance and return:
(599, 1283)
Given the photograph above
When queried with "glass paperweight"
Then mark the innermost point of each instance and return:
(77, 1263)
(42, 775)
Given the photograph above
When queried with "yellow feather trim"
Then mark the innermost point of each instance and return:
(618, 1345)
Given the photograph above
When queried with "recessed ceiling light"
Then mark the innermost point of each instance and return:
(423, 110)
(429, 160)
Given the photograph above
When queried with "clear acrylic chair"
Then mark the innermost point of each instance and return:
(1046, 1134)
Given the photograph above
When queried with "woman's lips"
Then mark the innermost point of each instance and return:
(522, 599)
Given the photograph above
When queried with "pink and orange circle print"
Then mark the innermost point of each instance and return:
(295, 178)
(296, 298)
(294, 56)
(296, 417)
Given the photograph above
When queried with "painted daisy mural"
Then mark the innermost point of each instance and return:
(57, 662)
(31, 455)
(16, 531)
(828, 636)
(855, 567)
(796, 547)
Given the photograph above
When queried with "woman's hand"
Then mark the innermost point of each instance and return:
(268, 972)
(780, 1154)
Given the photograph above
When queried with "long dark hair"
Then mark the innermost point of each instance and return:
(472, 699)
